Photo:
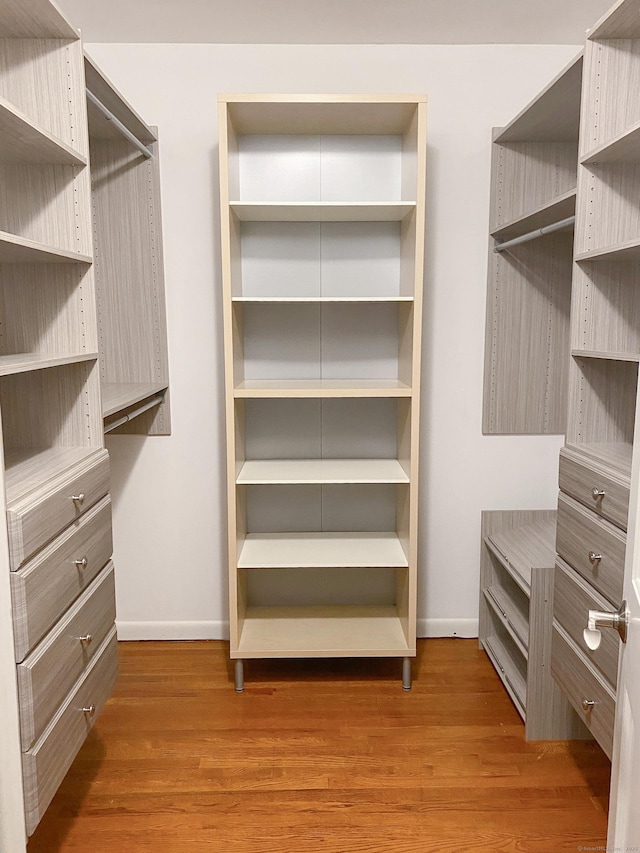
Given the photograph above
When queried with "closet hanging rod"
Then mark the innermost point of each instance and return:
(563, 225)
(154, 401)
(119, 126)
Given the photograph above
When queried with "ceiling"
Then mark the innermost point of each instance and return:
(336, 21)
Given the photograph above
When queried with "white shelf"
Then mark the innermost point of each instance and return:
(24, 362)
(300, 471)
(316, 299)
(24, 141)
(316, 388)
(324, 631)
(20, 250)
(322, 211)
(321, 550)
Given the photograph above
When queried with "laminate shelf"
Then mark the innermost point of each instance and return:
(606, 355)
(321, 550)
(619, 23)
(20, 250)
(322, 631)
(24, 141)
(547, 214)
(508, 672)
(117, 396)
(623, 148)
(612, 455)
(28, 469)
(48, 22)
(317, 388)
(628, 251)
(309, 471)
(25, 362)
(520, 549)
(514, 622)
(319, 211)
(322, 299)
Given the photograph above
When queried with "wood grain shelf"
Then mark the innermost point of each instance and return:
(623, 148)
(117, 396)
(627, 251)
(20, 250)
(322, 631)
(24, 141)
(27, 469)
(509, 673)
(514, 622)
(613, 455)
(519, 549)
(321, 550)
(605, 355)
(553, 211)
(620, 22)
(37, 19)
(309, 211)
(306, 471)
(24, 362)
(316, 388)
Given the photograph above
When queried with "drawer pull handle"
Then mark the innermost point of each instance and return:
(588, 704)
(79, 498)
(89, 711)
(82, 563)
(88, 638)
(597, 493)
(594, 558)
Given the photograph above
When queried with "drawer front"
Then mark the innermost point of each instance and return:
(43, 589)
(582, 479)
(580, 534)
(45, 765)
(572, 600)
(47, 675)
(582, 685)
(36, 519)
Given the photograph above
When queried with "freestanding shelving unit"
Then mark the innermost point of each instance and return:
(322, 214)
(595, 464)
(58, 655)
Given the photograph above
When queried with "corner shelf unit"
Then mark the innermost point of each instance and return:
(534, 164)
(516, 588)
(128, 262)
(322, 212)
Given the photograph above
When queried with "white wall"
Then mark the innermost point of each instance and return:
(169, 522)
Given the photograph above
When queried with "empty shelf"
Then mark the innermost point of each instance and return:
(20, 250)
(321, 550)
(322, 388)
(520, 549)
(318, 211)
(547, 214)
(117, 396)
(24, 141)
(514, 622)
(623, 148)
(24, 362)
(315, 299)
(295, 471)
(627, 251)
(29, 468)
(324, 631)
(606, 355)
(614, 455)
(508, 671)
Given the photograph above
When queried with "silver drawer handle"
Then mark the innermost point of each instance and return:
(597, 493)
(594, 558)
(89, 711)
(588, 704)
(82, 563)
(79, 498)
(88, 638)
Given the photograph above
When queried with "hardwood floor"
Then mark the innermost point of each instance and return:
(328, 756)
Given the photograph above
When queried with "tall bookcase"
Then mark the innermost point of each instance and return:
(322, 216)
(595, 464)
(58, 657)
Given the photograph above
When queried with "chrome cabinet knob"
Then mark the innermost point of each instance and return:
(588, 704)
(594, 558)
(79, 498)
(597, 493)
(82, 563)
(88, 639)
(89, 711)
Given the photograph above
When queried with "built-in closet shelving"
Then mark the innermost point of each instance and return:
(533, 192)
(595, 464)
(322, 210)
(128, 262)
(58, 656)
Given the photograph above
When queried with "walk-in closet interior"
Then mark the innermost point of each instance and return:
(262, 385)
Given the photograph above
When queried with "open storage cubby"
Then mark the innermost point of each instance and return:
(516, 590)
(534, 166)
(322, 210)
(127, 231)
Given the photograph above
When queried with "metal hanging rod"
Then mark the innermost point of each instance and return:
(119, 126)
(154, 401)
(563, 225)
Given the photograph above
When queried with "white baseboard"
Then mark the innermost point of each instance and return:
(220, 630)
(173, 630)
(447, 628)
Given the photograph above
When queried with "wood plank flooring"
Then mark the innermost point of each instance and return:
(328, 756)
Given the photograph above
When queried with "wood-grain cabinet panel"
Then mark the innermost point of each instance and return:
(597, 487)
(41, 514)
(49, 672)
(42, 589)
